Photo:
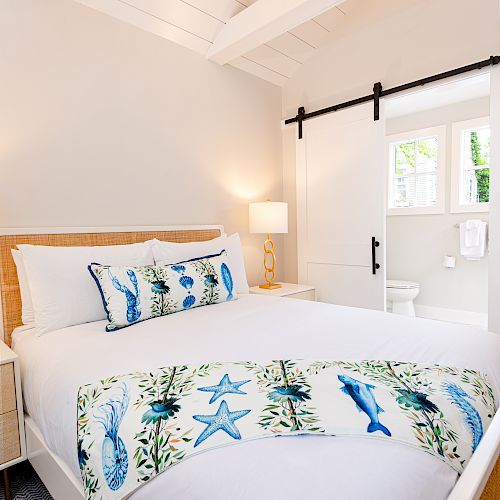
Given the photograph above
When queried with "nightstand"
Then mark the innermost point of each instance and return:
(12, 438)
(288, 290)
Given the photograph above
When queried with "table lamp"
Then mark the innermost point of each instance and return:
(268, 217)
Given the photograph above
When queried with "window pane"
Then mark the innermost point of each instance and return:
(427, 155)
(401, 185)
(475, 184)
(415, 164)
(425, 192)
(405, 158)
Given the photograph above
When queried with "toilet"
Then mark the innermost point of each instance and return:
(401, 294)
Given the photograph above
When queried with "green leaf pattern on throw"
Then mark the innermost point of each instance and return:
(157, 442)
(287, 388)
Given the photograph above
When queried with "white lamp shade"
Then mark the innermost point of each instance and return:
(268, 217)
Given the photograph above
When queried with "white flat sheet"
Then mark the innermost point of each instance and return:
(257, 327)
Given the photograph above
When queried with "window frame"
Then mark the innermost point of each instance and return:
(456, 166)
(439, 208)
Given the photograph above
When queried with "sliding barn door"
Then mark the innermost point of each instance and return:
(341, 207)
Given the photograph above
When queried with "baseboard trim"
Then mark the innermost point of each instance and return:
(452, 315)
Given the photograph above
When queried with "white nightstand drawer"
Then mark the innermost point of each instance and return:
(8, 388)
(10, 444)
(308, 295)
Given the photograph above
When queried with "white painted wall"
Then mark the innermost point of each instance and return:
(104, 124)
(417, 38)
(416, 244)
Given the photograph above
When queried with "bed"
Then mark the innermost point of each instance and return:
(54, 366)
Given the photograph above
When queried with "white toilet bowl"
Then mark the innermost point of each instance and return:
(400, 294)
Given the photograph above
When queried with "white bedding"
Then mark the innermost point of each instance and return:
(257, 327)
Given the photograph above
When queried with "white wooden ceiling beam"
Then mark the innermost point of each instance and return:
(261, 22)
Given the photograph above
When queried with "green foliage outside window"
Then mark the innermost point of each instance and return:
(407, 157)
(482, 175)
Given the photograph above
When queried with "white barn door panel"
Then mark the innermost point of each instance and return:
(341, 205)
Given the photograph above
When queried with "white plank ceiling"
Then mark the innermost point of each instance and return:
(195, 24)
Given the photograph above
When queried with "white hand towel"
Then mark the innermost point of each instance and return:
(472, 232)
(473, 239)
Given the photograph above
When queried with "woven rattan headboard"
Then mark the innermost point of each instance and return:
(9, 286)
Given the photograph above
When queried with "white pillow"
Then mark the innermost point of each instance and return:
(62, 290)
(28, 315)
(166, 252)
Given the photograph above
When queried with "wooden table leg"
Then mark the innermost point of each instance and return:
(6, 484)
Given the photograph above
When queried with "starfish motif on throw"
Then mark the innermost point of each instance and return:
(225, 387)
(222, 420)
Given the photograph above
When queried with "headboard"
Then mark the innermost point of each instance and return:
(9, 286)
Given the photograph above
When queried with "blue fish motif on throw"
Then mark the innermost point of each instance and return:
(362, 395)
(114, 453)
(470, 415)
(133, 310)
(227, 280)
(186, 281)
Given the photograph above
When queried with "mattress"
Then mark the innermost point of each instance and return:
(256, 327)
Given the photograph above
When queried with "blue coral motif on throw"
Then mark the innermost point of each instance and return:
(223, 420)
(470, 415)
(225, 386)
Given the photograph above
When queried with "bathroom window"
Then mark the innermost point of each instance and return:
(471, 166)
(416, 172)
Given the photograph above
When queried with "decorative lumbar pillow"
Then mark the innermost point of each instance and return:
(133, 294)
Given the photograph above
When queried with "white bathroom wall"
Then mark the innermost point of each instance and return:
(103, 124)
(416, 244)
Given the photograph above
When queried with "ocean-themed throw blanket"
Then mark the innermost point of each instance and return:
(133, 427)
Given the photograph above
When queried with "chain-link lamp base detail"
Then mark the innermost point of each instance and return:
(269, 265)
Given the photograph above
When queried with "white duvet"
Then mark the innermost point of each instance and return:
(257, 327)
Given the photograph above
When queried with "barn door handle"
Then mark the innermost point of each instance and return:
(375, 265)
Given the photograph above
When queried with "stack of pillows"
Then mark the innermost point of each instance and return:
(134, 282)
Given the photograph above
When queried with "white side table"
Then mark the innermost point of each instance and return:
(12, 438)
(289, 290)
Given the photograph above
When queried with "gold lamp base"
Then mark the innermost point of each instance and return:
(269, 274)
(270, 286)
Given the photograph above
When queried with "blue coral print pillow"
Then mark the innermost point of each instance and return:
(133, 294)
